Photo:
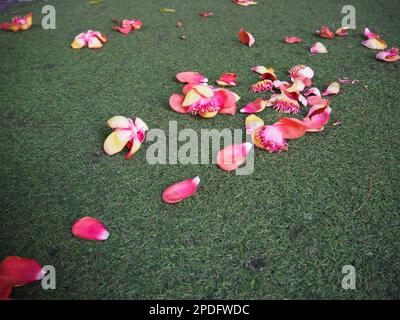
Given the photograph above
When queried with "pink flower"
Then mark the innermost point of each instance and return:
(18, 23)
(284, 104)
(91, 39)
(270, 138)
(127, 25)
(127, 133)
(389, 56)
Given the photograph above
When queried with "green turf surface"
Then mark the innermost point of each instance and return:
(285, 231)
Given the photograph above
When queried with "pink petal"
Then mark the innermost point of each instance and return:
(370, 35)
(246, 38)
(6, 287)
(90, 228)
(225, 100)
(325, 33)
(291, 40)
(124, 30)
(313, 91)
(205, 14)
(254, 107)
(227, 79)
(317, 101)
(333, 88)
(318, 48)
(389, 56)
(233, 156)
(180, 190)
(317, 118)
(175, 101)
(191, 77)
(291, 128)
(342, 32)
(21, 271)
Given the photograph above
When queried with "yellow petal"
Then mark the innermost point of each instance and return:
(78, 43)
(204, 91)
(207, 115)
(191, 97)
(94, 43)
(252, 123)
(297, 86)
(114, 144)
(118, 122)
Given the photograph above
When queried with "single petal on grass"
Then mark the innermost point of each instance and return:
(18, 23)
(269, 138)
(167, 10)
(318, 47)
(254, 107)
(325, 33)
(369, 34)
(246, 38)
(21, 271)
(90, 229)
(6, 287)
(181, 190)
(342, 32)
(291, 128)
(245, 3)
(290, 40)
(333, 88)
(317, 118)
(262, 86)
(389, 56)
(252, 123)
(206, 14)
(375, 43)
(191, 77)
(227, 79)
(175, 101)
(233, 156)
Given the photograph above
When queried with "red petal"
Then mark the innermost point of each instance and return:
(226, 100)
(246, 38)
(123, 30)
(290, 40)
(21, 271)
(233, 156)
(191, 77)
(291, 128)
(5, 288)
(181, 190)
(175, 101)
(90, 228)
(205, 14)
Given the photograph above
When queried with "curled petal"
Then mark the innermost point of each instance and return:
(227, 79)
(254, 107)
(233, 156)
(325, 33)
(191, 77)
(291, 128)
(115, 143)
(297, 86)
(21, 271)
(342, 32)
(284, 104)
(123, 30)
(252, 123)
(181, 190)
(313, 92)
(370, 35)
(291, 40)
(5, 288)
(375, 43)
(333, 88)
(317, 118)
(134, 24)
(246, 38)
(389, 56)
(90, 228)
(245, 3)
(94, 43)
(318, 48)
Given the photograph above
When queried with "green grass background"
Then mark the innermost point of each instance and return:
(285, 231)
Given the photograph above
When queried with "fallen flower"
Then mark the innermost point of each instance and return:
(90, 228)
(291, 40)
(269, 138)
(91, 39)
(205, 101)
(283, 104)
(206, 14)
(262, 86)
(318, 48)
(333, 88)
(191, 77)
(20, 271)
(181, 190)
(5, 288)
(389, 56)
(126, 133)
(245, 3)
(233, 156)
(227, 79)
(127, 25)
(325, 33)
(303, 73)
(246, 38)
(18, 23)
(254, 107)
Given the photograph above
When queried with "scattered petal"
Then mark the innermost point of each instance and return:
(191, 77)
(290, 40)
(342, 32)
(318, 47)
(18, 23)
(252, 123)
(345, 80)
(389, 56)
(91, 39)
(227, 79)
(325, 33)
(370, 35)
(291, 128)
(254, 107)
(206, 14)
(333, 88)
(283, 104)
(181, 190)
(317, 118)
(246, 38)
(20, 271)
(90, 228)
(245, 3)
(262, 86)
(6, 287)
(375, 43)
(233, 156)
(313, 92)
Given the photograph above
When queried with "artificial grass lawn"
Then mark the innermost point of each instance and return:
(285, 231)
